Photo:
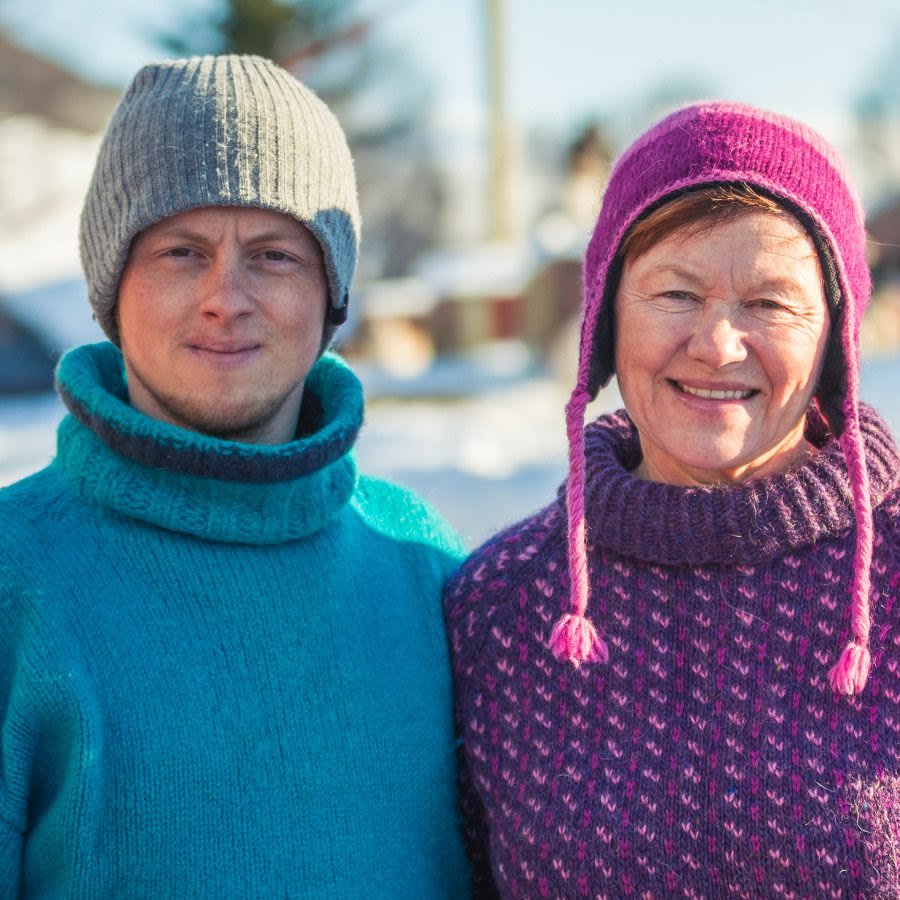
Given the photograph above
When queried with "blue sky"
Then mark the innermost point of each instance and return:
(571, 58)
(566, 60)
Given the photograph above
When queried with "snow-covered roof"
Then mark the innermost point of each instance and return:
(485, 270)
(389, 297)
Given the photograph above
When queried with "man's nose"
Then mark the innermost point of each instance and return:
(226, 291)
(716, 340)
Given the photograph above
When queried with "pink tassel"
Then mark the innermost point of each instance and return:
(850, 673)
(575, 639)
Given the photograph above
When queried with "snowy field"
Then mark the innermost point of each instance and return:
(485, 458)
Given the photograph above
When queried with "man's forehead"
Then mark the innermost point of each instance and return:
(217, 221)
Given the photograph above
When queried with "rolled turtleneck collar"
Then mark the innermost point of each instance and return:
(744, 523)
(188, 482)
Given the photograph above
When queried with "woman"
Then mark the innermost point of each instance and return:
(682, 678)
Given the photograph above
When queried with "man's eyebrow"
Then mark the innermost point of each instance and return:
(276, 234)
(182, 233)
(174, 232)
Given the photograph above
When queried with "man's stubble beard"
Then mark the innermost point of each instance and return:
(211, 415)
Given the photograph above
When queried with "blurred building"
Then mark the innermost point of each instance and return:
(881, 327)
(884, 235)
(471, 292)
(50, 126)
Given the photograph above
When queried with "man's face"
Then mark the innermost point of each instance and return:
(221, 311)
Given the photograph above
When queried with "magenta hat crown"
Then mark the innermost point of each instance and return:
(709, 143)
(718, 143)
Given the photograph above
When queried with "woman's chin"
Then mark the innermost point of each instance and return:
(717, 462)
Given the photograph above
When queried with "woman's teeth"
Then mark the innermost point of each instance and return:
(714, 395)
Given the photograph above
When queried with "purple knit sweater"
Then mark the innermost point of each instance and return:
(709, 757)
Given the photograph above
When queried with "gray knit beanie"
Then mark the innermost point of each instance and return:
(219, 131)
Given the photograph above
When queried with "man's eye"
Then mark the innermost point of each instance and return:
(179, 251)
(275, 255)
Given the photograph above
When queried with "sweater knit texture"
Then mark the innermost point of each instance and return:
(710, 757)
(223, 669)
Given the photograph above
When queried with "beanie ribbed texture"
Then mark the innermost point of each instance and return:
(218, 131)
(705, 144)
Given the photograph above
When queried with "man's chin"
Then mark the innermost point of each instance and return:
(236, 425)
(244, 423)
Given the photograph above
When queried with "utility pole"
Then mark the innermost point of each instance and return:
(499, 189)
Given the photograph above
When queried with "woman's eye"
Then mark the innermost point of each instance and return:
(275, 255)
(678, 295)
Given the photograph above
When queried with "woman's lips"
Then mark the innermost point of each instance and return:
(719, 393)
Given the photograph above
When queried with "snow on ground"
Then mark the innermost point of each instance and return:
(27, 434)
(484, 459)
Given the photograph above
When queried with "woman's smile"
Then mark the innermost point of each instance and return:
(716, 393)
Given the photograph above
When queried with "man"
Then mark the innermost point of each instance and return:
(222, 666)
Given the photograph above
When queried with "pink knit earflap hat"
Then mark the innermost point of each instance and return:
(701, 145)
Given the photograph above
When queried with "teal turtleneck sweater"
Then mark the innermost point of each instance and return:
(223, 671)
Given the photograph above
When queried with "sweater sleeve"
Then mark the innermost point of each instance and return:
(475, 831)
(488, 583)
(464, 612)
(12, 797)
(485, 590)
(10, 861)
(400, 514)
(43, 719)
(16, 748)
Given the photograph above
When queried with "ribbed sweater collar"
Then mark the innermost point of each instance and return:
(738, 524)
(187, 482)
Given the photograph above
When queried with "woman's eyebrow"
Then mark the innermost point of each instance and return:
(779, 283)
(676, 270)
(782, 284)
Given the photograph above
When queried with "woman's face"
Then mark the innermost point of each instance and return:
(720, 337)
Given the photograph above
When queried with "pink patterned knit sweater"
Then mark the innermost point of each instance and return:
(709, 757)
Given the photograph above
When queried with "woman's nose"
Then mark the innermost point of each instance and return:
(716, 340)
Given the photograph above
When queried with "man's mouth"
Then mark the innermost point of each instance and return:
(225, 355)
(224, 349)
(714, 393)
